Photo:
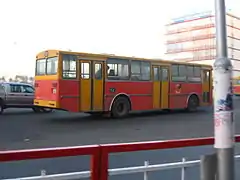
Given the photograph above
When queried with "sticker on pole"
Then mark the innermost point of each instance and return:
(224, 129)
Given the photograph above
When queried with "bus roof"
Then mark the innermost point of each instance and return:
(51, 53)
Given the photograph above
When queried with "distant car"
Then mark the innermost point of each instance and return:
(18, 95)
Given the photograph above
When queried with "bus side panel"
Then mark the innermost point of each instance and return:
(236, 90)
(43, 90)
(179, 92)
(69, 95)
(140, 93)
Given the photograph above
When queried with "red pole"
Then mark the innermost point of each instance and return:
(104, 164)
(96, 165)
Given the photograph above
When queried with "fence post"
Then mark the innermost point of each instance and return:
(104, 164)
(96, 164)
(208, 167)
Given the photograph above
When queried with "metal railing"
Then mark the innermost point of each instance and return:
(122, 171)
(100, 154)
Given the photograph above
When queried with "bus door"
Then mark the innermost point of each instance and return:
(156, 87)
(160, 87)
(206, 85)
(98, 86)
(91, 85)
(165, 87)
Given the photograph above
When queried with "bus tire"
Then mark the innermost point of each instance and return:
(36, 110)
(193, 103)
(46, 110)
(120, 107)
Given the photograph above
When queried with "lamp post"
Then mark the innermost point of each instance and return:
(223, 105)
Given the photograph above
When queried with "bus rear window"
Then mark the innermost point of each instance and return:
(52, 65)
(47, 66)
(40, 66)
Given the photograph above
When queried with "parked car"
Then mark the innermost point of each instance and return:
(18, 95)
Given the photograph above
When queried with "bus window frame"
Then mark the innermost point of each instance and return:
(194, 78)
(141, 75)
(45, 64)
(57, 59)
(178, 77)
(76, 66)
(114, 61)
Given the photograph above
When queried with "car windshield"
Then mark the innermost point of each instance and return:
(47, 66)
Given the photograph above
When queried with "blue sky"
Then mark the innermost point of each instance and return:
(124, 27)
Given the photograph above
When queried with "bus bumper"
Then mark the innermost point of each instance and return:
(46, 103)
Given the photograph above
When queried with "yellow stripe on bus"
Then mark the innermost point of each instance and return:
(46, 77)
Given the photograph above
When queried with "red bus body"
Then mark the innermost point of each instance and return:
(92, 95)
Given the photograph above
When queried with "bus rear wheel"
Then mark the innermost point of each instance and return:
(193, 103)
(120, 108)
(42, 110)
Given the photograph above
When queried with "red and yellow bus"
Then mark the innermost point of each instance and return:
(236, 86)
(97, 83)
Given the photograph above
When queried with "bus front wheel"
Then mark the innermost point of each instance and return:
(120, 108)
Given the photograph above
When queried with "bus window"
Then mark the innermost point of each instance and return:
(69, 67)
(85, 70)
(190, 72)
(206, 75)
(197, 71)
(145, 71)
(98, 71)
(156, 74)
(118, 69)
(52, 65)
(136, 70)
(182, 71)
(40, 66)
(164, 74)
(179, 73)
(140, 71)
(194, 73)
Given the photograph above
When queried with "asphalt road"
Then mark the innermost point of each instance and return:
(21, 129)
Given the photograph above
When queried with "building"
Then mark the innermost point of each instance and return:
(192, 38)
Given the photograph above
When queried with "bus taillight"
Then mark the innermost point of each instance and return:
(54, 87)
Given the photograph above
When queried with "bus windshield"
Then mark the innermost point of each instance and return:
(47, 66)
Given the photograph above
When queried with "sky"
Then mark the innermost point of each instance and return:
(122, 27)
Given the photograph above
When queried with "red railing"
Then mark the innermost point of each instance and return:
(100, 153)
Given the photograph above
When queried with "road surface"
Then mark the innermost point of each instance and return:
(24, 129)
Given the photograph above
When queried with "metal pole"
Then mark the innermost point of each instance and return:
(223, 105)
(208, 167)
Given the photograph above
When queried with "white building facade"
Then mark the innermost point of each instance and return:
(193, 39)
